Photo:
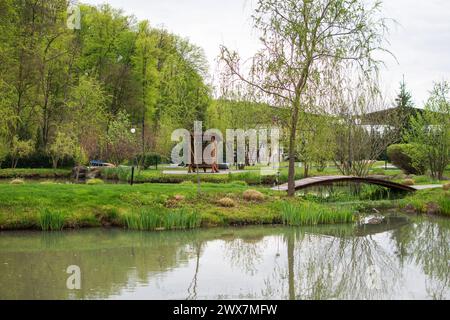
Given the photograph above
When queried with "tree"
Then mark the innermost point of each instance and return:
(359, 141)
(52, 77)
(431, 130)
(87, 113)
(405, 109)
(20, 149)
(316, 141)
(145, 64)
(300, 40)
(4, 150)
(120, 142)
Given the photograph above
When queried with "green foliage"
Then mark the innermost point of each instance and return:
(86, 80)
(63, 146)
(120, 142)
(431, 130)
(20, 149)
(153, 219)
(404, 111)
(420, 200)
(51, 220)
(95, 182)
(290, 73)
(3, 151)
(34, 173)
(411, 158)
(152, 159)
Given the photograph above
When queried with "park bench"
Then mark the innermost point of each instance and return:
(204, 166)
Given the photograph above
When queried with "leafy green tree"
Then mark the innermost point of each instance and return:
(145, 65)
(316, 143)
(120, 142)
(87, 114)
(20, 149)
(404, 110)
(4, 150)
(52, 77)
(63, 146)
(431, 130)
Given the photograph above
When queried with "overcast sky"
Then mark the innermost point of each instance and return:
(420, 41)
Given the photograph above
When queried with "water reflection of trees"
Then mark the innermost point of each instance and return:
(245, 254)
(426, 243)
(334, 268)
(326, 262)
(34, 266)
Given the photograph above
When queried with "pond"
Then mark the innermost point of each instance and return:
(405, 258)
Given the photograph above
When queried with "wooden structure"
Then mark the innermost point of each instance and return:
(327, 180)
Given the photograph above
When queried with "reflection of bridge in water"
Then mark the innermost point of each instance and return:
(328, 180)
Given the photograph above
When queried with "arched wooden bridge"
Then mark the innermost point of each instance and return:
(327, 180)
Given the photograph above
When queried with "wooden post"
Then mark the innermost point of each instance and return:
(132, 175)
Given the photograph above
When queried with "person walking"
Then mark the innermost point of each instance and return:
(215, 167)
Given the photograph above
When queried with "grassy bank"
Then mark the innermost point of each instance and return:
(431, 201)
(252, 176)
(144, 207)
(168, 206)
(34, 173)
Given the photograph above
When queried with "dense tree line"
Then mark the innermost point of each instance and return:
(77, 93)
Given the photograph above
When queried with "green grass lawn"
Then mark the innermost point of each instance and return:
(94, 205)
(48, 206)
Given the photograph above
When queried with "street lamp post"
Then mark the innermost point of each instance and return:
(133, 131)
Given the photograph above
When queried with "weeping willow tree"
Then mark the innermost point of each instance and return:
(300, 39)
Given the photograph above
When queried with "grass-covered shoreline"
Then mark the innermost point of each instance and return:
(169, 206)
(35, 173)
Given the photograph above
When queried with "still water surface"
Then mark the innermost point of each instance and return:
(406, 258)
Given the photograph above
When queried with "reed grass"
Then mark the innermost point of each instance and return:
(309, 213)
(51, 220)
(156, 219)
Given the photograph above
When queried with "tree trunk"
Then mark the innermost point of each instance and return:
(293, 133)
(290, 258)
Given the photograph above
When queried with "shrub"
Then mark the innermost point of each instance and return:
(239, 183)
(17, 181)
(227, 203)
(409, 157)
(446, 186)
(253, 195)
(94, 182)
(152, 159)
(408, 182)
(38, 160)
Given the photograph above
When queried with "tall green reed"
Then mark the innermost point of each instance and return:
(51, 220)
(308, 213)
